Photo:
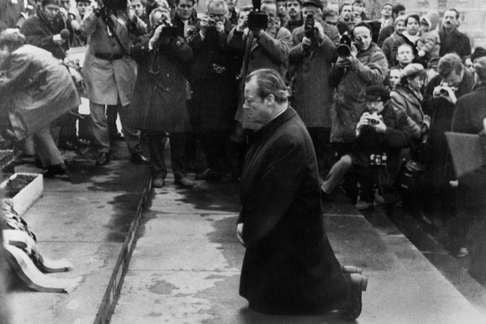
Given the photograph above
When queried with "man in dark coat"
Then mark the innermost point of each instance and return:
(311, 60)
(469, 117)
(214, 89)
(44, 29)
(457, 81)
(451, 39)
(289, 265)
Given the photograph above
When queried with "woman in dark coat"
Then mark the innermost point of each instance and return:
(159, 101)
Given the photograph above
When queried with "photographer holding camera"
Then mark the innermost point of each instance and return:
(159, 102)
(441, 94)
(310, 64)
(110, 74)
(263, 43)
(381, 133)
(214, 88)
(359, 65)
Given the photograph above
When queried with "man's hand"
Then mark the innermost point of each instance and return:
(450, 96)
(239, 233)
(155, 37)
(58, 39)
(220, 26)
(306, 42)
(380, 127)
(343, 62)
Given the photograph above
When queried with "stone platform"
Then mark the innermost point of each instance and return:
(185, 268)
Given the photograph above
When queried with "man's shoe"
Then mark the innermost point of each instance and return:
(138, 158)
(184, 182)
(57, 171)
(353, 306)
(103, 158)
(209, 175)
(158, 182)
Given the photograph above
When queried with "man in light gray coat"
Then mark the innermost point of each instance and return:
(110, 76)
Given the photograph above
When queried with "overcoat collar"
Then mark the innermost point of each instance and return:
(268, 129)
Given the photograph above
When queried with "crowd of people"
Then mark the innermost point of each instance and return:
(376, 95)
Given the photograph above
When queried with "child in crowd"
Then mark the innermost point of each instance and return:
(428, 45)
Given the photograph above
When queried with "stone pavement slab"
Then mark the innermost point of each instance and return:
(185, 269)
(84, 221)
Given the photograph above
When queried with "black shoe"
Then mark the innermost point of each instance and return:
(354, 304)
(103, 158)
(209, 175)
(158, 182)
(57, 171)
(138, 158)
(184, 182)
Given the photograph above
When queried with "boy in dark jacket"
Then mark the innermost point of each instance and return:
(381, 133)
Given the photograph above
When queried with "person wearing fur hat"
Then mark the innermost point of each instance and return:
(381, 133)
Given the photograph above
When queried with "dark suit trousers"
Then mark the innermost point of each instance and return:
(156, 141)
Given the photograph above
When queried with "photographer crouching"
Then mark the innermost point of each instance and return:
(361, 63)
(381, 133)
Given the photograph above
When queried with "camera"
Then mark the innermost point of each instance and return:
(309, 26)
(373, 121)
(344, 47)
(257, 20)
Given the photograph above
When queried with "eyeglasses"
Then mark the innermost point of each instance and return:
(185, 6)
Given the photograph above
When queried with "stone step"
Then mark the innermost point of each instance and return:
(185, 268)
(87, 222)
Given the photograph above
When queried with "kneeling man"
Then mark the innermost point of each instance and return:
(289, 265)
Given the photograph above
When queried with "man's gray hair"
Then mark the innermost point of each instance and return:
(270, 82)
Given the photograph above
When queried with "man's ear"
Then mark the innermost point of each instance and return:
(270, 99)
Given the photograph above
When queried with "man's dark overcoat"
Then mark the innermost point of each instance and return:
(39, 31)
(214, 88)
(289, 265)
(159, 100)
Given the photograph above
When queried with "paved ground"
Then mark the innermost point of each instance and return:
(185, 268)
(85, 221)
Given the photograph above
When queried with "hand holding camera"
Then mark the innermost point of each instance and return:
(373, 120)
(445, 91)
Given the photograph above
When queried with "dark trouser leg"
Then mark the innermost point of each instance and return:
(367, 180)
(214, 143)
(68, 129)
(156, 144)
(132, 136)
(322, 146)
(236, 150)
(177, 153)
(111, 115)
